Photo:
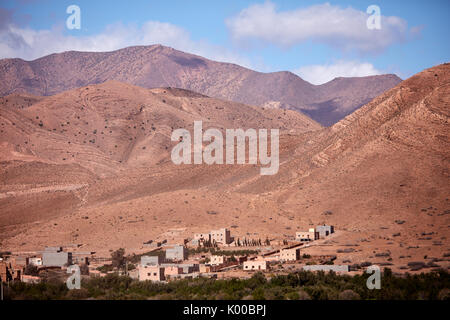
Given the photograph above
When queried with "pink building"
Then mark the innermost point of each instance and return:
(172, 271)
(152, 273)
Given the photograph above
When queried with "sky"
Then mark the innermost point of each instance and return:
(314, 39)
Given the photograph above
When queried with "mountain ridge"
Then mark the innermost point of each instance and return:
(158, 66)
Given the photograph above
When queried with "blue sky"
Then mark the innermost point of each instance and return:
(315, 39)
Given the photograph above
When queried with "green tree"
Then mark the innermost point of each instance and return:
(118, 258)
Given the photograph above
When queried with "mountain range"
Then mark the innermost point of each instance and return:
(158, 66)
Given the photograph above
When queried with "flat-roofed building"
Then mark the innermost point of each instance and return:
(177, 253)
(35, 261)
(81, 257)
(187, 267)
(55, 257)
(152, 273)
(202, 236)
(327, 268)
(305, 236)
(221, 236)
(290, 254)
(172, 271)
(151, 260)
(324, 230)
(204, 268)
(254, 265)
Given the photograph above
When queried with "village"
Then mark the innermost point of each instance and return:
(215, 254)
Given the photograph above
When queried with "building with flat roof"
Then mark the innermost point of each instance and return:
(221, 236)
(305, 236)
(55, 257)
(81, 257)
(202, 236)
(35, 261)
(327, 268)
(204, 268)
(177, 253)
(290, 254)
(151, 260)
(172, 271)
(186, 267)
(151, 273)
(255, 265)
(324, 230)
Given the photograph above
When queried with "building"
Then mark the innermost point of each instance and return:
(81, 257)
(204, 268)
(134, 274)
(177, 253)
(186, 267)
(290, 254)
(310, 235)
(152, 273)
(202, 236)
(172, 271)
(30, 279)
(10, 272)
(19, 261)
(324, 230)
(4, 272)
(151, 260)
(326, 268)
(217, 260)
(221, 236)
(35, 261)
(55, 257)
(254, 265)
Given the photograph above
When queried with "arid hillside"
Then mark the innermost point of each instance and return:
(54, 148)
(380, 175)
(158, 66)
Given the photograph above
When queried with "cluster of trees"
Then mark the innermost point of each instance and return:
(210, 244)
(218, 252)
(250, 242)
(300, 285)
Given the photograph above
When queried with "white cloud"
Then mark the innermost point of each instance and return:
(319, 74)
(343, 28)
(29, 44)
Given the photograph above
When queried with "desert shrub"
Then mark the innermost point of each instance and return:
(77, 294)
(31, 270)
(444, 294)
(349, 295)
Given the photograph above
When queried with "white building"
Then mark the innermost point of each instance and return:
(305, 236)
(255, 265)
(35, 261)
